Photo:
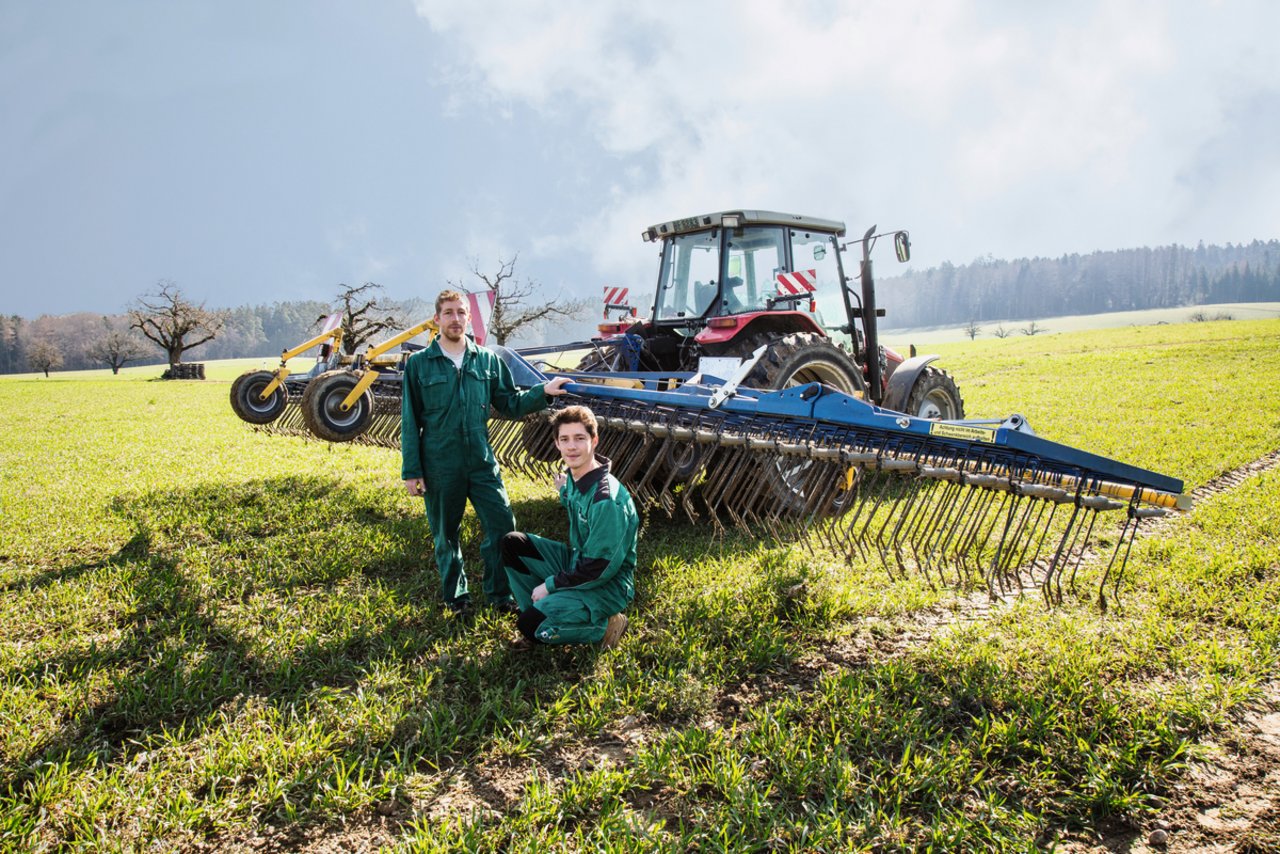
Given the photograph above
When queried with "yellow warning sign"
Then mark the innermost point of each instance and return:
(963, 432)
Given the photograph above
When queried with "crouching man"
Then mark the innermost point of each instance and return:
(575, 593)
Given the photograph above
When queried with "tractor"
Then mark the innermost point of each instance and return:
(734, 281)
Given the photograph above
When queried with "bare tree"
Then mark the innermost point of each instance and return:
(972, 329)
(171, 321)
(1033, 328)
(365, 313)
(1001, 331)
(44, 355)
(115, 347)
(511, 309)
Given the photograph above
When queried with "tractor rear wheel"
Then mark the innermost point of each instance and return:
(804, 357)
(797, 359)
(600, 361)
(247, 401)
(322, 407)
(935, 396)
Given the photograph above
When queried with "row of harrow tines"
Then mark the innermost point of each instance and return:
(960, 503)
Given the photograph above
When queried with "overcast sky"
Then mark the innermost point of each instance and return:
(262, 151)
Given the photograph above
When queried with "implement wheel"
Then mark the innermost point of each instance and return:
(935, 396)
(322, 407)
(247, 402)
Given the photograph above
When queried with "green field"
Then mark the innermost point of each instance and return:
(216, 638)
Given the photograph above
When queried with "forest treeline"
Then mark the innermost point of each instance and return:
(1097, 283)
(985, 291)
(251, 330)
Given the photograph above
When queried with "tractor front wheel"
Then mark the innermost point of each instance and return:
(247, 400)
(935, 396)
(322, 407)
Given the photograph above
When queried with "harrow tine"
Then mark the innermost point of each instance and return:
(996, 576)
(1135, 515)
(950, 527)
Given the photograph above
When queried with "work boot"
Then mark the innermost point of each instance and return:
(613, 631)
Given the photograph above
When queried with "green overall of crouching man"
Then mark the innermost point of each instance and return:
(575, 592)
(447, 390)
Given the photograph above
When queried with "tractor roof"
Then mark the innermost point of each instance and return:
(704, 221)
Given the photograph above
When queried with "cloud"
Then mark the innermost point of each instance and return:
(1002, 129)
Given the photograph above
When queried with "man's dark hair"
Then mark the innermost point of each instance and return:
(575, 415)
(451, 296)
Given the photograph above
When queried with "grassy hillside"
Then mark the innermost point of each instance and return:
(1114, 320)
(211, 637)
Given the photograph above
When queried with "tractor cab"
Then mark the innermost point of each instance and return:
(743, 262)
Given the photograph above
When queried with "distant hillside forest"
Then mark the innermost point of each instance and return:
(1101, 282)
(984, 291)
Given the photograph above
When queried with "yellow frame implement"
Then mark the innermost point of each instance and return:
(280, 373)
(371, 358)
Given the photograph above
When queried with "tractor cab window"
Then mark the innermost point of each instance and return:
(690, 276)
(814, 254)
(756, 256)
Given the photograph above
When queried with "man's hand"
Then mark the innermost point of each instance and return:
(539, 593)
(415, 486)
(561, 479)
(555, 387)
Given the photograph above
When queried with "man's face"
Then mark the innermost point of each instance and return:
(577, 447)
(452, 319)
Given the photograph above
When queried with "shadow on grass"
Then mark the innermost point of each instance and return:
(135, 549)
(277, 590)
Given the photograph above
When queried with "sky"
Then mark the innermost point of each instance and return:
(254, 152)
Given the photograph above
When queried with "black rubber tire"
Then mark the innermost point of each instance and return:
(935, 396)
(247, 402)
(321, 407)
(599, 362)
(680, 462)
(799, 358)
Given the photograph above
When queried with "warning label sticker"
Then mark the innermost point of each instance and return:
(960, 431)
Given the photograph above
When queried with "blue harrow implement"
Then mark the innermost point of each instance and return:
(957, 501)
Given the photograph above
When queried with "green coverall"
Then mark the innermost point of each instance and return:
(445, 441)
(588, 580)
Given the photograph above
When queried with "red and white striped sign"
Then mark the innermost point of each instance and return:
(613, 296)
(481, 311)
(799, 282)
(331, 322)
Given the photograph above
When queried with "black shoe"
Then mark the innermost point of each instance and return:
(459, 607)
(505, 606)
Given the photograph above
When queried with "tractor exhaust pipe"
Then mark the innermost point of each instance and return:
(875, 383)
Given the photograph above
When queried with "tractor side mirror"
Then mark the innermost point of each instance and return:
(902, 245)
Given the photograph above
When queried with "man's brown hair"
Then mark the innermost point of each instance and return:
(575, 415)
(450, 296)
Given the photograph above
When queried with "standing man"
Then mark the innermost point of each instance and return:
(575, 593)
(444, 440)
